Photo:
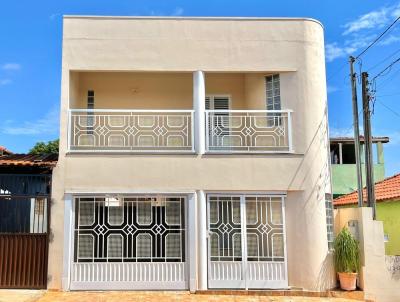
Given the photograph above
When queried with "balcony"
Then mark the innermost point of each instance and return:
(110, 130)
(248, 131)
(173, 131)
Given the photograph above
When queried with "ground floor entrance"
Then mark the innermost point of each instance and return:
(155, 241)
(130, 242)
(246, 246)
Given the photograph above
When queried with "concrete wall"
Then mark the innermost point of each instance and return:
(344, 177)
(292, 47)
(376, 280)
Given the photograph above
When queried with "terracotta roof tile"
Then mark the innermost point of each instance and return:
(387, 189)
(44, 160)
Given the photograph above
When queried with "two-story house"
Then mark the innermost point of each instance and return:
(343, 163)
(193, 155)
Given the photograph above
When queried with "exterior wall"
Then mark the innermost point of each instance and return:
(376, 280)
(292, 47)
(155, 90)
(389, 213)
(344, 177)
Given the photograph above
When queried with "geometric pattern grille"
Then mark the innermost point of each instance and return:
(264, 228)
(130, 229)
(131, 131)
(225, 228)
(248, 131)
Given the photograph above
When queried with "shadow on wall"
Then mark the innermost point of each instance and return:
(327, 276)
(393, 266)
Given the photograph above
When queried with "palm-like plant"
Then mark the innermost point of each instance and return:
(347, 252)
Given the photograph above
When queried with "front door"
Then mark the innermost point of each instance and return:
(246, 243)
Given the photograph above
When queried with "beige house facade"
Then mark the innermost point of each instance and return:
(193, 155)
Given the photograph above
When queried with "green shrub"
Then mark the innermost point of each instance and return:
(347, 252)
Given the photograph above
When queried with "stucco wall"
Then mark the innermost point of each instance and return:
(376, 280)
(168, 90)
(292, 47)
(344, 177)
(389, 213)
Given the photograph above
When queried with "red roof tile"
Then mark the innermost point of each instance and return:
(44, 160)
(387, 189)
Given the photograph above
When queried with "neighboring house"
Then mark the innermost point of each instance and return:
(343, 163)
(387, 194)
(193, 155)
(25, 188)
(4, 151)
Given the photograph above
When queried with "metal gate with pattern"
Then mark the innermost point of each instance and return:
(129, 242)
(246, 242)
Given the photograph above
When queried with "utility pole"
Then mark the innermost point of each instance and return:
(357, 149)
(368, 145)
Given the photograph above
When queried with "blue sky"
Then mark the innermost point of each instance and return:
(30, 57)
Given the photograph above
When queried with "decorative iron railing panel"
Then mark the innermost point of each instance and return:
(131, 130)
(248, 131)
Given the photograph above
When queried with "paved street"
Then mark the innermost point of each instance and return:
(42, 296)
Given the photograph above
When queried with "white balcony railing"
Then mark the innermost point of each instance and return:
(248, 131)
(108, 130)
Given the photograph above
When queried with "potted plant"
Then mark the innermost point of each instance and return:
(347, 259)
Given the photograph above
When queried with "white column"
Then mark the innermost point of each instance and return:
(68, 239)
(192, 246)
(199, 97)
(202, 242)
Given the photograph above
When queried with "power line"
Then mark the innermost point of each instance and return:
(378, 38)
(388, 108)
(386, 68)
(380, 62)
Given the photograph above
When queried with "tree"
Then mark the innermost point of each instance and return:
(45, 148)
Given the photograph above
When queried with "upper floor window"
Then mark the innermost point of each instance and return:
(217, 102)
(273, 92)
(90, 99)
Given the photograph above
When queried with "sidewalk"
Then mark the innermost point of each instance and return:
(161, 296)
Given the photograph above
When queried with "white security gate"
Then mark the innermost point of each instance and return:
(246, 244)
(130, 242)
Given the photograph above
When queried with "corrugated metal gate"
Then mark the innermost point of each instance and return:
(24, 224)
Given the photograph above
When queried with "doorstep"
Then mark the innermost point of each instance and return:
(337, 293)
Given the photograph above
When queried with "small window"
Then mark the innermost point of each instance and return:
(90, 99)
(335, 154)
(273, 92)
(217, 102)
(329, 220)
(348, 154)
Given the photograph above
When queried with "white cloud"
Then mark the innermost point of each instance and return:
(341, 132)
(331, 89)
(374, 19)
(334, 51)
(389, 40)
(5, 82)
(45, 125)
(178, 11)
(362, 31)
(11, 66)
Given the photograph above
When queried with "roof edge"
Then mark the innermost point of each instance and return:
(195, 18)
